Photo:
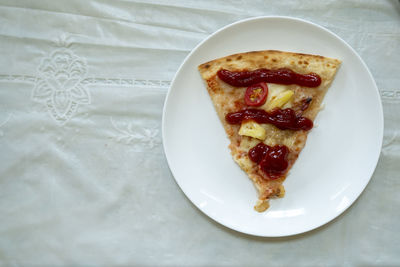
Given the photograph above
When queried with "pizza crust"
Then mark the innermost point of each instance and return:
(272, 59)
(227, 98)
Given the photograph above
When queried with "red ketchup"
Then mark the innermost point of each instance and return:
(282, 118)
(272, 160)
(281, 76)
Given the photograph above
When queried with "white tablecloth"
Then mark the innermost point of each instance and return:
(83, 176)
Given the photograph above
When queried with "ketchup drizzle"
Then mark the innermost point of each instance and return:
(282, 118)
(281, 76)
(271, 160)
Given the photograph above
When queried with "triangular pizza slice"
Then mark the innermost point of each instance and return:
(267, 102)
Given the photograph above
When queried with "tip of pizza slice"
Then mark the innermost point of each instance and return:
(284, 97)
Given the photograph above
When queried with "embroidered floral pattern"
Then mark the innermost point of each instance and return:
(60, 86)
(129, 133)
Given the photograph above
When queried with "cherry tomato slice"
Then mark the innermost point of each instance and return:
(256, 94)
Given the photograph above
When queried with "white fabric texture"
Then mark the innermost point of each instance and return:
(83, 176)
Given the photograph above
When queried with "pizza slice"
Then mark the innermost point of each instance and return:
(267, 102)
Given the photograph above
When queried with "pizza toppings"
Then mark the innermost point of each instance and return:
(281, 99)
(282, 118)
(257, 153)
(280, 76)
(253, 129)
(305, 103)
(271, 160)
(256, 94)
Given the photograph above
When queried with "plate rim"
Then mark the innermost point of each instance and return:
(379, 132)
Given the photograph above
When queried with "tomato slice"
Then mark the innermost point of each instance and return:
(256, 94)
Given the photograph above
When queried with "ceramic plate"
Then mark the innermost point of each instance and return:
(332, 170)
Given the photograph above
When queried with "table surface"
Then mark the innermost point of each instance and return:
(83, 175)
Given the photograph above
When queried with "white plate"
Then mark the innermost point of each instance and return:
(334, 167)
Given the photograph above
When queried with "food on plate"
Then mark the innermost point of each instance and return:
(267, 102)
